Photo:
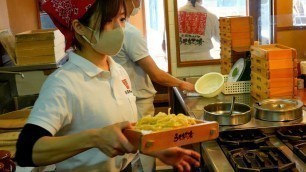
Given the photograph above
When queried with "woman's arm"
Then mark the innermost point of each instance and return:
(110, 140)
(162, 77)
(49, 150)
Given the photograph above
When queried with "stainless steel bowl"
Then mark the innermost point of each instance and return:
(278, 109)
(220, 112)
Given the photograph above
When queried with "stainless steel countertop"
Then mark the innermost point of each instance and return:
(212, 153)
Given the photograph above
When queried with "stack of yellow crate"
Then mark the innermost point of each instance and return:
(237, 35)
(39, 47)
(274, 71)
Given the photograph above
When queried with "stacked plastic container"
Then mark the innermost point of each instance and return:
(274, 71)
(237, 35)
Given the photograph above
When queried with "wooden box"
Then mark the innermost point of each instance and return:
(273, 82)
(155, 141)
(237, 42)
(39, 47)
(262, 95)
(273, 52)
(225, 66)
(275, 73)
(273, 64)
(232, 55)
(225, 48)
(236, 24)
(41, 44)
(43, 59)
(225, 71)
(38, 35)
(14, 119)
(226, 62)
(273, 92)
(237, 35)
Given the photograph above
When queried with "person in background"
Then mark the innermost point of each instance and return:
(140, 66)
(136, 60)
(197, 27)
(83, 107)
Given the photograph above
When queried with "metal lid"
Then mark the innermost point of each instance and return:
(279, 104)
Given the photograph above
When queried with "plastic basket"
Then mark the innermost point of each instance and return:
(236, 87)
(240, 98)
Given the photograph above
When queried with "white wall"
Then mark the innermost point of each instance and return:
(183, 71)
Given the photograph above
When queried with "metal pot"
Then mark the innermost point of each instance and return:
(220, 112)
(278, 109)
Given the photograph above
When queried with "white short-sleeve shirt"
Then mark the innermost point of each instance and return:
(135, 48)
(81, 96)
(197, 27)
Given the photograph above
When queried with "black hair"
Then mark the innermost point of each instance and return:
(193, 2)
(106, 10)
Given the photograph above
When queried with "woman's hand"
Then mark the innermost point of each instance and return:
(180, 158)
(111, 141)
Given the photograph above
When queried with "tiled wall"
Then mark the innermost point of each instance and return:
(183, 71)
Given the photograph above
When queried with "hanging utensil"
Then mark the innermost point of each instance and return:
(232, 105)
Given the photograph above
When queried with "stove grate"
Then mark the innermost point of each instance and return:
(251, 150)
(242, 137)
(295, 138)
(265, 158)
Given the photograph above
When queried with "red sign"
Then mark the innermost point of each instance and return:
(192, 22)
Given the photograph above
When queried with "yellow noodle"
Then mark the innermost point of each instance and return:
(162, 121)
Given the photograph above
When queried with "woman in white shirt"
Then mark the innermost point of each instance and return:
(78, 119)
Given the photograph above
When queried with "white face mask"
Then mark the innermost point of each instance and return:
(135, 10)
(108, 42)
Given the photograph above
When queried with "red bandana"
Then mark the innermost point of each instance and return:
(63, 12)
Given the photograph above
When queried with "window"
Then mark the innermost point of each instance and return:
(265, 23)
(299, 16)
(45, 21)
(155, 28)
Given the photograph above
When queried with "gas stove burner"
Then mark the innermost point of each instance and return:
(293, 132)
(295, 138)
(266, 158)
(300, 150)
(242, 137)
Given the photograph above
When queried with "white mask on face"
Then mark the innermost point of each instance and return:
(108, 42)
(135, 10)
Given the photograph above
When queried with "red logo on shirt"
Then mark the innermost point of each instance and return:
(126, 84)
(192, 22)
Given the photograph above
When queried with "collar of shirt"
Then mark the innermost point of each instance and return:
(89, 68)
(196, 4)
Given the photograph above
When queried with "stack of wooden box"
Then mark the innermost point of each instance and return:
(274, 71)
(11, 124)
(39, 47)
(237, 35)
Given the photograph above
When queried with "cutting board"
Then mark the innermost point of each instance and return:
(15, 119)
